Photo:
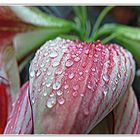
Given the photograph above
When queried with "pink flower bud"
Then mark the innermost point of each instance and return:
(74, 85)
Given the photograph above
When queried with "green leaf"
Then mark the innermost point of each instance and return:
(81, 20)
(26, 43)
(36, 17)
(99, 20)
(71, 37)
(132, 45)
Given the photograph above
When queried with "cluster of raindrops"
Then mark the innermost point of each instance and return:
(49, 69)
(42, 70)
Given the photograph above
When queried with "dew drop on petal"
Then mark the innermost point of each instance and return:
(96, 55)
(81, 94)
(80, 73)
(93, 69)
(75, 87)
(71, 75)
(81, 78)
(59, 92)
(56, 85)
(69, 63)
(58, 71)
(48, 84)
(66, 87)
(42, 65)
(86, 51)
(75, 93)
(33, 100)
(116, 81)
(49, 72)
(55, 63)
(43, 83)
(113, 87)
(119, 75)
(38, 73)
(76, 59)
(105, 89)
(45, 94)
(106, 77)
(53, 54)
(32, 74)
(51, 102)
(61, 100)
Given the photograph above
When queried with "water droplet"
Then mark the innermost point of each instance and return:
(75, 93)
(61, 100)
(71, 75)
(89, 86)
(45, 94)
(46, 53)
(55, 63)
(96, 55)
(119, 75)
(75, 87)
(116, 81)
(51, 102)
(44, 69)
(81, 78)
(113, 87)
(59, 92)
(42, 65)
(49, 72)
(33, 100)
(52, 94)
(43, 83)
(105, 89)
(69, 63)
(38, 73)
(32, 74)
(56, 85)
(80, 73)
(86, 51)
(106, 77)
(76, 59)
(66, 87)
(81, 94)
(93, 69)
(58, 71)
(95, 60)
(48, 84)
(53, 54)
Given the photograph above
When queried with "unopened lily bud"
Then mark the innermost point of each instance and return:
(74, 85)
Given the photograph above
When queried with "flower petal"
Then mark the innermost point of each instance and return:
(126, 115)
(4, 103)
(124, 119)
(74, 85)
(20, 120)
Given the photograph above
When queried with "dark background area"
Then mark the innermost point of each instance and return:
(128, 15)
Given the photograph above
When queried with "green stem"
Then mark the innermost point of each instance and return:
(109, 38)
(99, 20)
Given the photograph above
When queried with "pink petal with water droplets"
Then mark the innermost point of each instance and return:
(101, 78)
(20, 119)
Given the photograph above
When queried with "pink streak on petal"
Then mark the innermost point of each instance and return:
(20, 120)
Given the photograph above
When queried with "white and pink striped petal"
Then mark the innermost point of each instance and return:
(20, 120)
(74, 85)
